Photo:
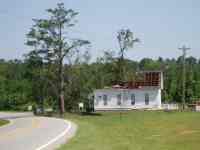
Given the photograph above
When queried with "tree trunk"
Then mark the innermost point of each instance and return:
(121, 66)
(61, 96)
(61, 73)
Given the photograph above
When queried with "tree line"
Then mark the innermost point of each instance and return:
(32, 81)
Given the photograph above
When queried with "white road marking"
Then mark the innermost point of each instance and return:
(57, 137)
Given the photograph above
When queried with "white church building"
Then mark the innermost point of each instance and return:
(142, 94)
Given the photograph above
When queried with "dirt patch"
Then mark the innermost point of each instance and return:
(185, 132)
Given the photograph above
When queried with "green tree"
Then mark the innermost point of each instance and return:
(50, 38)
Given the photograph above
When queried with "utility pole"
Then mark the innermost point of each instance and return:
(184, 50)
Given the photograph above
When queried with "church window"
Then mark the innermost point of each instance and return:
(132, 99)
(105, 100)
(119, 98)
(146, 99)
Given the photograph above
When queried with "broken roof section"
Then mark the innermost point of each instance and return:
(149, 79)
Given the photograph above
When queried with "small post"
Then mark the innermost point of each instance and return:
(122, 100)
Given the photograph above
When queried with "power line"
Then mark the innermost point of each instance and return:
(184, 50)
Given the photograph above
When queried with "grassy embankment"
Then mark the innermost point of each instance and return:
(139, 130)
(3, 122)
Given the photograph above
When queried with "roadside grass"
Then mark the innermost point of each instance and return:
(137, 130)
(3, 122)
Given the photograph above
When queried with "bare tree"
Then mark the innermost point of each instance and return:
(126, 41)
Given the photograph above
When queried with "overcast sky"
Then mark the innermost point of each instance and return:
(162, 25)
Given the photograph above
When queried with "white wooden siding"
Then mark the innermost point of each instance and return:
(154, 98)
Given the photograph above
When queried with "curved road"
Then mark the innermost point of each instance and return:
(26, 132)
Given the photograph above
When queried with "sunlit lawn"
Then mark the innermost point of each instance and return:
(3, 122)
(138, 130)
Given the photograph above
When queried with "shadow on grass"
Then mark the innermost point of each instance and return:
(90, 114)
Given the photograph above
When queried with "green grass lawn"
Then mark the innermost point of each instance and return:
(3, 122)
(138, 130)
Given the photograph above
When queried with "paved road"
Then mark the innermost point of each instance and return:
(26, 132)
